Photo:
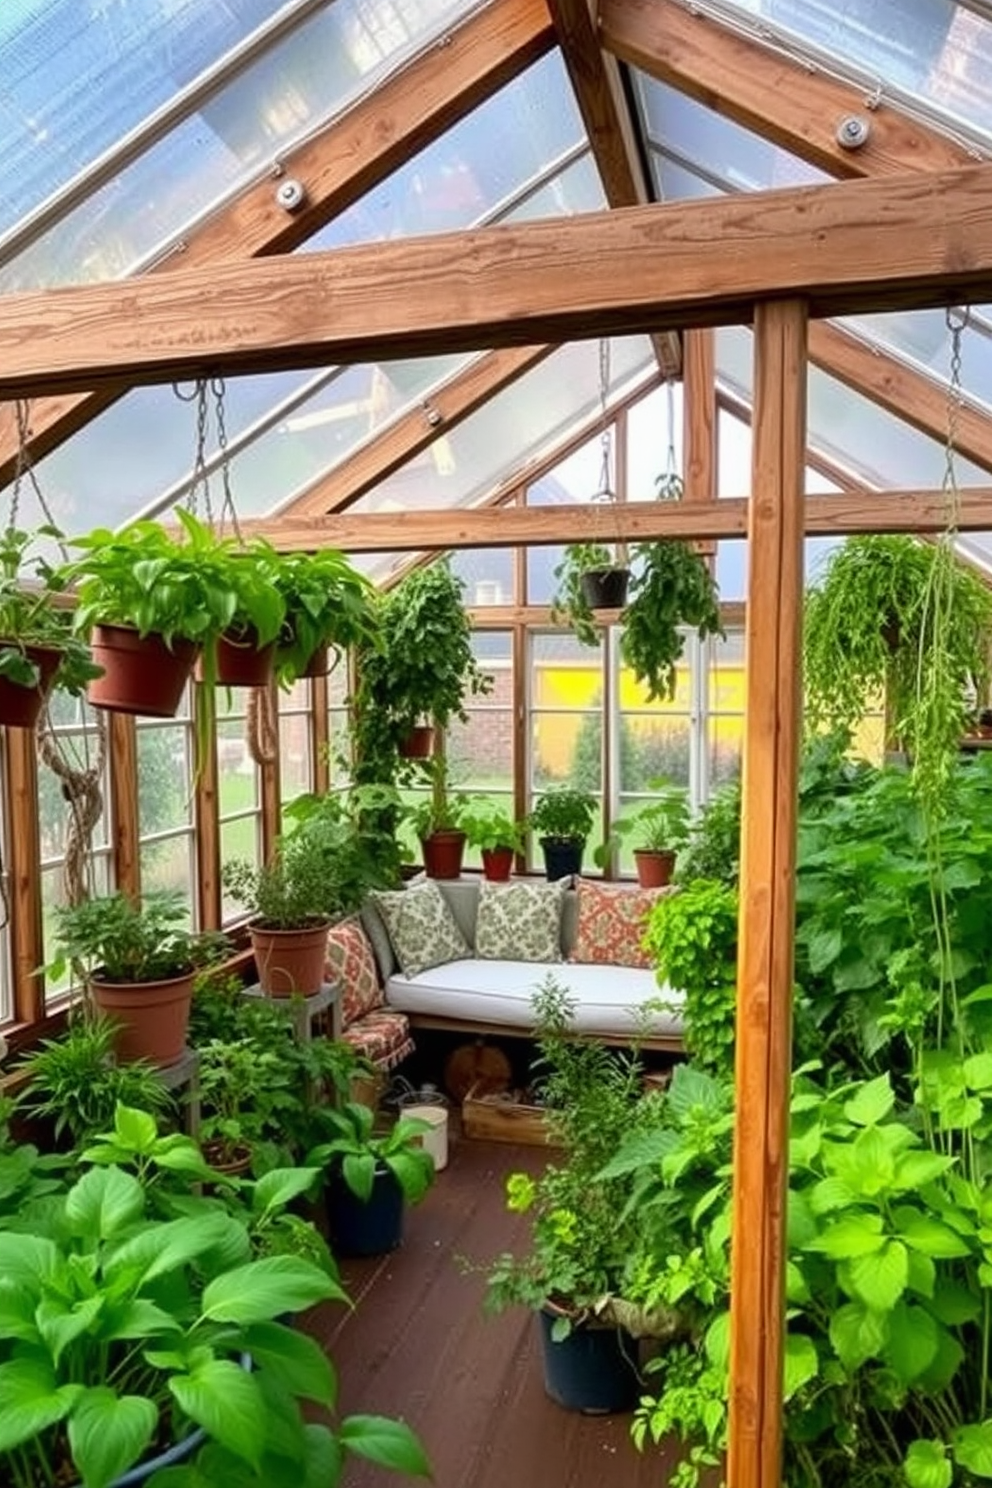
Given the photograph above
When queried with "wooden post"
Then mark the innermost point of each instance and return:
(125, 827)
(767, 890)
(24, 869)
(699, 420)
(206, 818)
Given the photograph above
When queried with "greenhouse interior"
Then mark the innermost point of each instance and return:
(495, 710)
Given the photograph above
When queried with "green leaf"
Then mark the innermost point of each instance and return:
(913, 1340)
(389, 1443)
(323, 1458)
(830, 1194)
(824, 948)
(108, 1433)
(104, 1201)
(266, 1289)
(856, 1235)
(978, 1071)
(857, 1333)
(930, 1236)
(717, 1341)
(136, 1129)
(926, 1465)
(26, 1261)
(31, 1400)
(801, 1363)
(60, 1325)
(296, 1361)
(871, 1102)
(880, 1279)
(359, 1172)
(160, 1248)
(972, 1448)
(955, 1303)
(225, 1400)
(276, 1189)
(914, 1169)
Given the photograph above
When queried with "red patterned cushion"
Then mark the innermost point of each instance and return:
(382, 1036)
(351, 963)
(611, 919)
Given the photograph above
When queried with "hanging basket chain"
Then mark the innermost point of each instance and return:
(227, 510)
(668, 484)
(24, 471)
(199, 479)
(957, 322)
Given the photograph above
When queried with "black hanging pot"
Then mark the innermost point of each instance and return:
(593, 1369)
(605, 588)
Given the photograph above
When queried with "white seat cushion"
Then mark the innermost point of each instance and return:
(501, 992)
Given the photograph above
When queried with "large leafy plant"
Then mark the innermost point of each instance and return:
(570, 605)
(122, 941)
(32, 614)
(353, 1146)
(692, 936)
(671, 589)
(327, 603)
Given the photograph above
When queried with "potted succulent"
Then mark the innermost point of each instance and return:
(139, 962)
(287, 899)
(329, 605)
(590, 577)
(499, 838)
(659, 828)
(39, 649)
(370, 1176)
(562, 819)
(183, 1371)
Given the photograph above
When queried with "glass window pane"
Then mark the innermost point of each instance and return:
(165, 790)
(487, 574)
(169, 863)
(295, 764)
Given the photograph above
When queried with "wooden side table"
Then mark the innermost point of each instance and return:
(185, 1072)
(304, 1010)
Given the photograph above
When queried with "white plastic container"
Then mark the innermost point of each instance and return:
(434, 1141)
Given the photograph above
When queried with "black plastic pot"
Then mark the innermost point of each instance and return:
(605, 588)
(593, 1370)
(562, 856)
(365, 1229)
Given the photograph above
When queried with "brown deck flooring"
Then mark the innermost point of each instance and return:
(418, 1345)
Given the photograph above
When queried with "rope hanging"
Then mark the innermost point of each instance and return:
(82, 792)
(261, 726)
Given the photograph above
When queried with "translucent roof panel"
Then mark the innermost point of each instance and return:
(936, 51)
(78, 79)
(854, 433)
(534, 414)
(924, 338)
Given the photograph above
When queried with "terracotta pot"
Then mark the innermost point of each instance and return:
(418, 743)
(20, 707)
(605, 588)
(290, 962)
(231, 1163)
(241, 662)
(318, 665)
(153, 1017)
(141, 674)
(497, 863)
(654, 869)
(443, 853)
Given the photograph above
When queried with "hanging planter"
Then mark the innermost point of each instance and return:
(605, 588)
(141, 674)
(242, 661)
(319, 664)
(418, 742)
(21, 704)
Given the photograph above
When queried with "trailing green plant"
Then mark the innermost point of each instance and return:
(671, 588)
(692, 935)
(489, 827)
(75, 1082)
(118, 940)
(327, 602)
(658, 825)
(569, 605)
(31, 614)
(563, 813)
(351, 1144)
(353, 831)
(713, 848)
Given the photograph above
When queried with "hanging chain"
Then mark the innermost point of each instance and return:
(669, 482)
(198, 477)
(24, 471)
(604, 490)
(217, 387)
(956, 321)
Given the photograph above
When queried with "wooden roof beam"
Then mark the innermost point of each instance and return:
(850, 247)
(633, 521)
(337, 166)
(595, 79)
(413, 432)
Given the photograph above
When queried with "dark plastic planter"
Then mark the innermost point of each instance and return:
(605, 588)
(370, 1229)
(594, 1370)
(562, 856)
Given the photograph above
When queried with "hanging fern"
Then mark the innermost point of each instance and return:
(671, 588)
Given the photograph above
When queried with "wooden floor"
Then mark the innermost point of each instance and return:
(418, 1345)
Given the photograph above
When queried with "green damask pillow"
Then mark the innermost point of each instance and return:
(421, 927)
(519, 921)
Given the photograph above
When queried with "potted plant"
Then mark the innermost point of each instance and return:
(243, 1085)
(328, 605)
(246, 647)
(563, 818)
(370, 1176)
(660, 828)
(590, 577)
(139, 962)
(671, 589)
(499, 838)
(287, 899)
(39, 649)
(183, 1358)
(437, 821)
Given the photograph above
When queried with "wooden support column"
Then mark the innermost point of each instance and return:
(767, 890)
(699, 430)
(207, 821)
(124, 826)
(24, 868)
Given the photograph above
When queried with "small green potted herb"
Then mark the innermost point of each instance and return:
(659, 828)
(288, 901)
(437, 820)
(562, 819)
(139, 962)
(243, 1087)
(496, 834)
(371, 1176)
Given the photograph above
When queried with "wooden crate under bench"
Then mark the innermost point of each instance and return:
(500, 1118)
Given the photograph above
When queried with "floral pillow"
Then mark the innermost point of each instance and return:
(519, 921)
(421, 927)
(610, 923)
(351, 964)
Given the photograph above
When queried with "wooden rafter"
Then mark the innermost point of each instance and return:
(855, 246)
(413, 432)
(543, 526)
(595, 80)
(336, 166)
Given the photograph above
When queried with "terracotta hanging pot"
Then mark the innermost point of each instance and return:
(318, 665)
(443, 853)
(20, 707)
(290, 962)
(241, 662)
(654, 867)
(418, 743)
(152, 1017)
(497, 863)
(605, 588)
(141, 674)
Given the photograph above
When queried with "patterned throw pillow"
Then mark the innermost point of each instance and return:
(351, 964)
(611, 921)
(519, 921)
(421, 927)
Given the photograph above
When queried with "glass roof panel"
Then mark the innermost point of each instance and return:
(73, 91)
(923, 337)
(534, 414)
(939, 52)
